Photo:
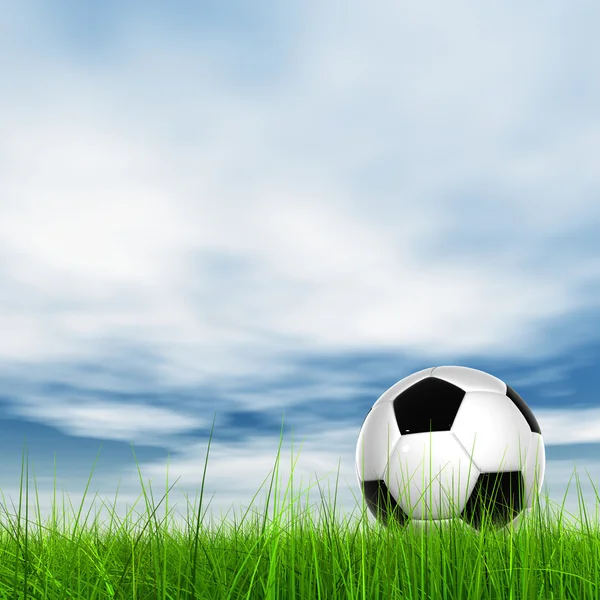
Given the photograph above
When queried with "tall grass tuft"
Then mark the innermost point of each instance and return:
(284, 551)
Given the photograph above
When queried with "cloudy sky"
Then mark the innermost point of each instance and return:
(271, 211)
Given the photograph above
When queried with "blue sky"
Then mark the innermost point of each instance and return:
(274, 209)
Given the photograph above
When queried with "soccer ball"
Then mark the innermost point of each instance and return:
(450, 442)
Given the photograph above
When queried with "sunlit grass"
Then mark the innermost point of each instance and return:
(285, 550)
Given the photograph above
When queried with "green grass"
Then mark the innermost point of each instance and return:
(285, 550)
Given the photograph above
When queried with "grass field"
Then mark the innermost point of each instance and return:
(284, 551)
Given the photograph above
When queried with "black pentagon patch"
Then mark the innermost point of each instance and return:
(497, 497)
(525, 410)
(381, 503)
(429, 405)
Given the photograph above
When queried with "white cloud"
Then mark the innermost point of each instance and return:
(123, 258)
(103, 225)
(541, 376)
(108, 420)
(328, 186)
(569, 425)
